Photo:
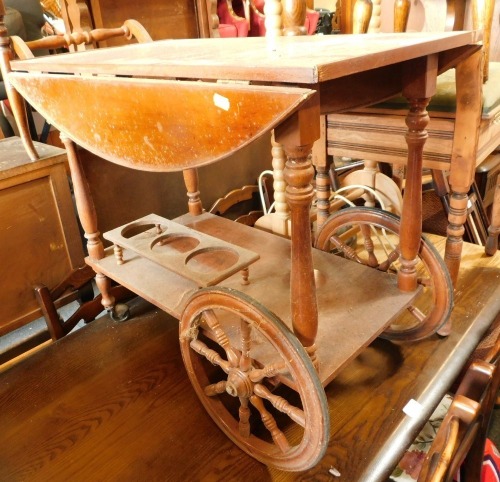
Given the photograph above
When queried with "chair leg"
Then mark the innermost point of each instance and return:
(477, 219)
(87, 311)
(54, 323)
(494, 228)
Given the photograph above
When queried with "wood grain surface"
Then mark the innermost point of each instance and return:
(112, 401)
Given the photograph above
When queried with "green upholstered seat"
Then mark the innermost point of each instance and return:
(444, 99)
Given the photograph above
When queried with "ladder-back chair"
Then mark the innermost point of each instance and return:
(460, 440)
(75, 280)
(375, 133)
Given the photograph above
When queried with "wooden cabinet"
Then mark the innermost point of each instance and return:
(39, 237)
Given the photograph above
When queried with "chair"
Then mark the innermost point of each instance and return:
(372, 133)
(258, 18)
(239, 205)
(460, 440)
(25, 19)
(130, 29)
(80, 277)
(230, 24)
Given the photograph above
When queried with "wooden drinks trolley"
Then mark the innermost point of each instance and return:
(265, 322)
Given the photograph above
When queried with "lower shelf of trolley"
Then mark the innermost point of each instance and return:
(355, 303)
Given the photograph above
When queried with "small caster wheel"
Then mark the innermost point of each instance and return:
(255, 379)
(120, 312)
(374, 242)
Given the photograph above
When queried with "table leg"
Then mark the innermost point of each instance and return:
(88, 218)
(297, 135)
(193, 192)
(463, 158)
(419, 84)
(494, 228)
(298, 174)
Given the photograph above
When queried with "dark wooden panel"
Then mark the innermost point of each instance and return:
(39, 239)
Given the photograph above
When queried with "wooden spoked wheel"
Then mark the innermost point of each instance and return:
(255, 379)
(371, 237)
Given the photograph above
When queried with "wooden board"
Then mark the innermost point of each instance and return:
(39, 238)
(125, 410)
(200, 258)
(306, 60)
(355, 303)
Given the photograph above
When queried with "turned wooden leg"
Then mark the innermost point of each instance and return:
(88, 219)
(298, 176)
(282, 212)
(411, 219)
(322, 164)
(323, 192)
(494, 228)
(462, 168)
(419, 85)
(16, 101)
(191, 181)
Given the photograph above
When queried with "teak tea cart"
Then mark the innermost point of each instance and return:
(265, 322)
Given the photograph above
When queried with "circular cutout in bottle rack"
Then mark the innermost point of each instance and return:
(204, 259)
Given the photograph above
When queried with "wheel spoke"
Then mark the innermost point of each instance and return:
(215, 388)
(417, 313)
(392, 256)
(245, 332)
(424, 281)
(244, 414)
(221, 337)
(212, 356)
(279, 403)
(368, 243)
(347, 250)
(271, 425)
(435, 298)
(268, 371)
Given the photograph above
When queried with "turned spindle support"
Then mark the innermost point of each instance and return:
(193, 192)
(465, 140)
(88, 219)
(494, 228)
(17, 103)
(297, 135)
(419, 84)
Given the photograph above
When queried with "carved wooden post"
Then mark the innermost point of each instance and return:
(16, 101)
(282, 17)
(208, 19)
(323, 186)
(299, 173)
(494, 228)
(294, 17)
(401, 14)
(419, 84)
(375, 20)
(465, 139)
(193, 192)
(272, 21)
(482, 17)
(88, 218)
(282, 212)
(361, 16)
(279, 221)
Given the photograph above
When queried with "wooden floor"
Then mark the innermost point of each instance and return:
(112, 402)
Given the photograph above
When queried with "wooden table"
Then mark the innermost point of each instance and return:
(140, 108)
(107, 413)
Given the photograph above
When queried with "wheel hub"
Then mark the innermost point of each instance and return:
(238, 384)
